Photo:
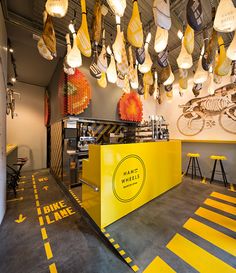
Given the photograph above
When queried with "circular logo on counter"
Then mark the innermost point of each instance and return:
(128, 178)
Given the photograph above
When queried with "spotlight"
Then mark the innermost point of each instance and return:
(11, 50)
(13, 79)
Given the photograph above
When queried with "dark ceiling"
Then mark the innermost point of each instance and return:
(24, 18)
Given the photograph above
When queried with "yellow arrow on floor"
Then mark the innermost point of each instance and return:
(45, 188)
(20, 219)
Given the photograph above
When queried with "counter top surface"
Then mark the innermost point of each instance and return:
(137, 143)
(10, 148)
(209, 141)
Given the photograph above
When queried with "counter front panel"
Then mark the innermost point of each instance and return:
(128, 176)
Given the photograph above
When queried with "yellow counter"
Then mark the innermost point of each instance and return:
(128, 176)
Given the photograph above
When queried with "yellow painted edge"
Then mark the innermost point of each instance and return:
(232, 188)
(158, 265)
(212, 235)
(44, 233)
(204, 181)
(37, 203)
(39, 211)
(53, 268)
(48, 250)
(128, 260)
(116, 246)
(217, 218)
(15, 199)
(41, 222)
(220, 206)
(197, 257)
(122, 252)
(112, 240)
(135, 268)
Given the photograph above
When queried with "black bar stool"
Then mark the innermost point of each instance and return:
(219, 158)
(194, 165)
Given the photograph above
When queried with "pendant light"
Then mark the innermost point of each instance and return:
(57, 8)
(111, 70)
(231, 51)
(117, 46)
(184, 60)
(102, 82)
(225, 18)
(134, 81)
(183, 79)
(67, 69)
(117, 6)
(74, 58)
(135, 28)
(170, 80)
(146, 66)
(211, 85)
(83, 38)
(200, 75)
(189, 39)
(156, 88)
(223, 64)
(126, 87)
(161, 39)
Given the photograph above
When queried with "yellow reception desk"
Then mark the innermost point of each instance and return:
(127, 176)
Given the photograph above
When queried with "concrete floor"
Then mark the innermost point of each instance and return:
(70, 244)
(75, 246)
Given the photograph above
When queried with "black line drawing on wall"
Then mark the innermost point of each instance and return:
(200, 113)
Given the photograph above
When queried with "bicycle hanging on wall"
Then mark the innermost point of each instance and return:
(10, 100)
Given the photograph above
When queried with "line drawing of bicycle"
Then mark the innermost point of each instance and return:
(199, 113)
(10, 101)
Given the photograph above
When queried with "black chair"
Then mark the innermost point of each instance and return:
(194, 165)
(219, 158)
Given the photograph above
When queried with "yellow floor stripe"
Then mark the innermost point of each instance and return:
(217, 218)
(197, 257)
(44, 233)
(224, 197)
(48, 250)
(158, 265)
(211, 235)
(15, 199)
(220, 206)
(52, 268)
(39, 211)
(41, 222)
(135, 268)
(37, 203)
(232, 188)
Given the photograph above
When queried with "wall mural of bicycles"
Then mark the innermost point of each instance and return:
(203, 113)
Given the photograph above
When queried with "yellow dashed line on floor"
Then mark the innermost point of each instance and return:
(41, 221)
(47, 246)
(44, 233)
(48, 250)
(211, 235)
(197, 257)
(39, 211)
(220, 206)
(224, 197)
(158, 265)
(52, 268)
(217, 218)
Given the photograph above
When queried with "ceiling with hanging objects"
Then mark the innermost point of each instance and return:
(154, 29)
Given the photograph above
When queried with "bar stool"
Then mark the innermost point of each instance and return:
(194, 164)
(219, 158)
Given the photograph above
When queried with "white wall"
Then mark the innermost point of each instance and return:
(171, 111)
(3, 72)
(27, 130)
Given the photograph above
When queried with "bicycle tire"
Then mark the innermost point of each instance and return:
(221, 121)
(190, 134)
